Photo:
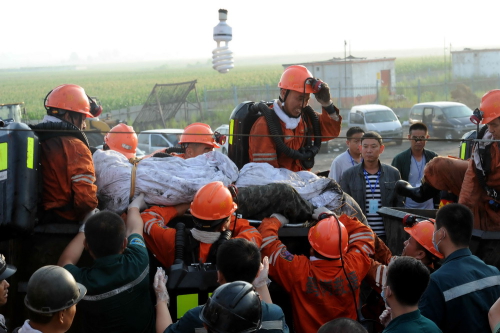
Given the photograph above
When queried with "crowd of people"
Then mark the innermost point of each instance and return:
(435, 285)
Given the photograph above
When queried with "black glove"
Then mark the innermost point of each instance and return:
(323, 95)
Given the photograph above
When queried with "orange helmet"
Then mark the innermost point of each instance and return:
(213, 202)
(199, 133)
(70, 97)
(123, 139)
(324, 237)
(297, 77)
(422, 233)
(490, 105)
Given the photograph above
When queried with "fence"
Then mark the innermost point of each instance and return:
(397, 96)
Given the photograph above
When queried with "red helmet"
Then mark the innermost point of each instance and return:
(71, 97)
(324, 237)
(422, 233)
(298, 78)
(123, 139)
(213, 202)
(199, 133)
(490, 105)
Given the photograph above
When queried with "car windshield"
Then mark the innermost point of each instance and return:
(172, 138)
(459, 111)
(381, 116)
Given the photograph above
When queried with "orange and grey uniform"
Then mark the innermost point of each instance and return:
(68, 178)
(377, 274)
(262, 149)
(160, 239)
(459, 177)
(319, 290)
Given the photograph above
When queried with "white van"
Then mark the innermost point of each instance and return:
(152, 140)
(377, 118)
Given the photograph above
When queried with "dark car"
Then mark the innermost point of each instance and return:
(449, 120)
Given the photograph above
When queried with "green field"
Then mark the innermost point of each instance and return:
(122, 86)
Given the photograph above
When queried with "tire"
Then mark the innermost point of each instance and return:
(448, 135)
(398, 142)
(224, 150)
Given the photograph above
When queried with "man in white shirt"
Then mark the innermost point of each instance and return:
(349, 158)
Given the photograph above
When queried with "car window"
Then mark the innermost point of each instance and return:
(458, 111)
(416, 113)
(438, 114)
(144, 138)
(382, 116)
(157, 140)
(172, 138)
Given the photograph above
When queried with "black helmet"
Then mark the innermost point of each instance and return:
(233, 308)
(5, 270)
(52, 289)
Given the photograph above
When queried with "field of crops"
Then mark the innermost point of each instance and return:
(122, 87)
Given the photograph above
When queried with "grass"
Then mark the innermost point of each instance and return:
(120, 87)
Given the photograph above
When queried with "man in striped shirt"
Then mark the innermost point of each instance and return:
(371, 183)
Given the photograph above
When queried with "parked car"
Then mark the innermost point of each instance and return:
(138, 153)
(449, 120)
(377, 118)
(152, 140)
(224, 130)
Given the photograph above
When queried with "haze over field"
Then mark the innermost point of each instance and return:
(59, 32)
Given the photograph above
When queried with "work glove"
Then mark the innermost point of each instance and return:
(283, 220)
(89, 214)
(138, 202)
(160, 286)
(323, 95)
(262, 279)
(319, 211)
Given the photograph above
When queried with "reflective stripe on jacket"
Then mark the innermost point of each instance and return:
(68, 177)
(319, 290)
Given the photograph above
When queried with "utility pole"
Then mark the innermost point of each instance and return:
(345, 69)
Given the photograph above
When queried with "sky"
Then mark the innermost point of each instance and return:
(59, 32)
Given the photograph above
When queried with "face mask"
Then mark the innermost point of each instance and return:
(382, 294)
(436, 245)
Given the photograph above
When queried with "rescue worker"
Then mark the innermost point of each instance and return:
(462, 291)
(476, 182)
(326, 285)
(51, 298)
(123, 139)
(196, 139)
(214, 222)
(296, 121)
(118, 297)
(69, 193)
(6, 271)
(234, 307)
(418, 246)
(237, 260)
(407, 279)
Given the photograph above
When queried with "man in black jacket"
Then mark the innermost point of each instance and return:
(411, 163)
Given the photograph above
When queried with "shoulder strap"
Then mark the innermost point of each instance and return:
(47, 131)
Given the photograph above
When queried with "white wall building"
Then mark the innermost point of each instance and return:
(470, 63)
(354, 80)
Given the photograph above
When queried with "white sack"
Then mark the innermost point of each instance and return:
(164, 181)
(307, 184)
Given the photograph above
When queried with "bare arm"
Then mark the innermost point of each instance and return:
(163, 317)
(134, 221)
(494, 315)
(73, 251)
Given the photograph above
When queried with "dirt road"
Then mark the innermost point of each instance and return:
(337, 146)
